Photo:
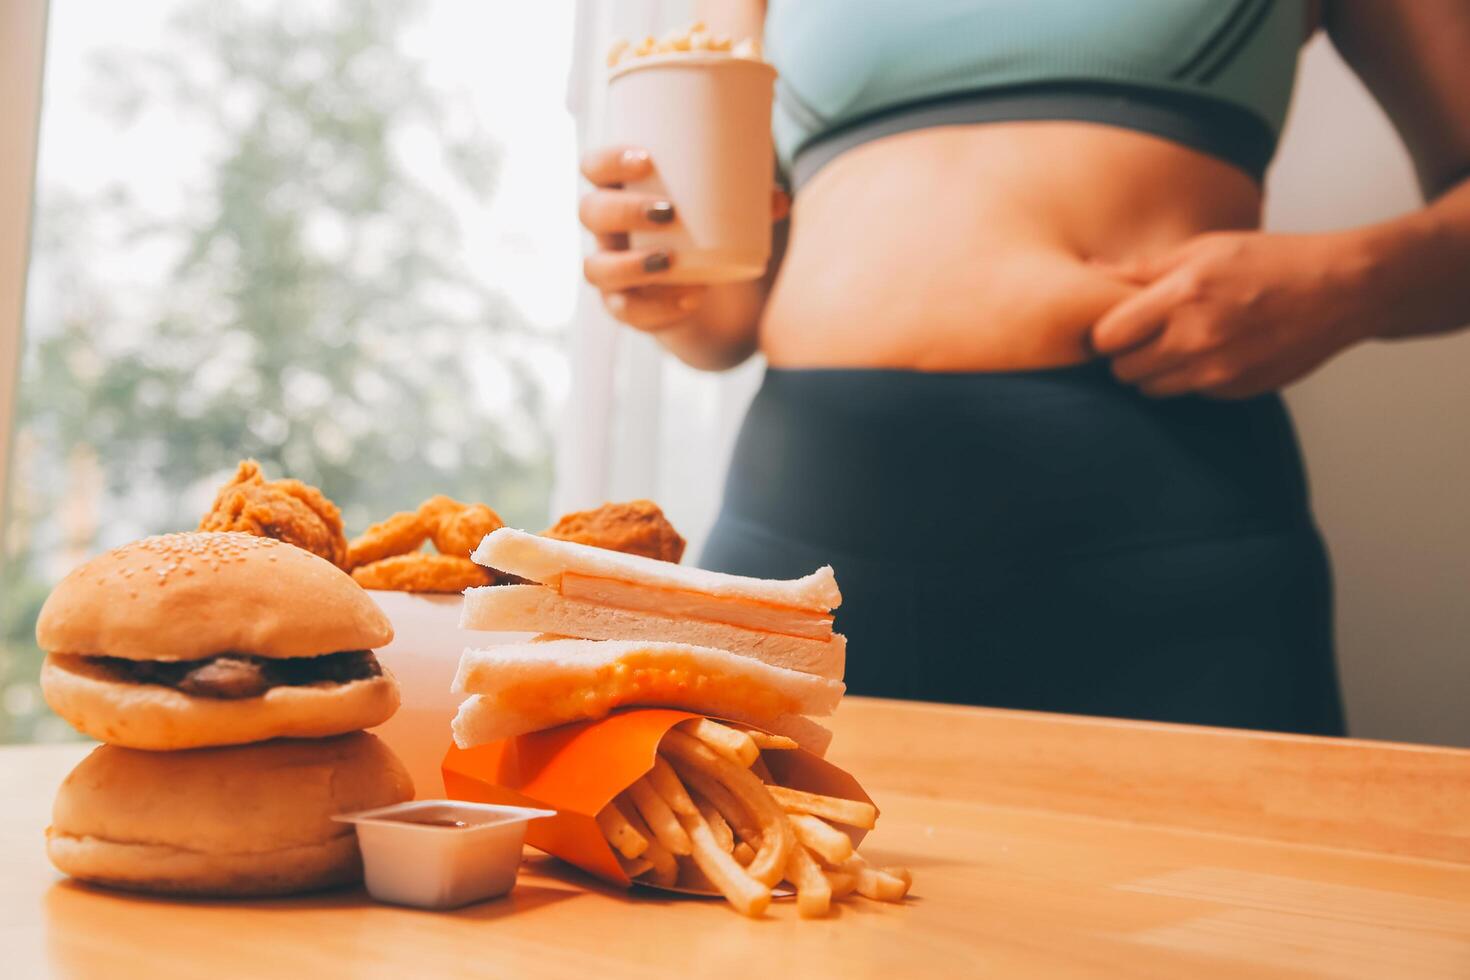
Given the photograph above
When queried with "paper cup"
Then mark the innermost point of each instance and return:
(705, 120)
(423, 657)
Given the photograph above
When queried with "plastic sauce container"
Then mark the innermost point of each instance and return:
(441, 854)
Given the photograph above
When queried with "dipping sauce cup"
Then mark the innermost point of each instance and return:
(441, 854)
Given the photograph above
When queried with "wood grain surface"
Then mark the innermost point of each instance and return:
(1041, 846)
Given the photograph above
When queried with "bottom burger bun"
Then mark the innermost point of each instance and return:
(251, 820)
(152, 716)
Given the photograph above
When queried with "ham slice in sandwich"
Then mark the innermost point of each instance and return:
(593, 593)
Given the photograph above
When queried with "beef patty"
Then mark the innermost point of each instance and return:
(238, 675)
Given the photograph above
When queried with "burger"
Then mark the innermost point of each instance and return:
(200, 639)
(236, 821)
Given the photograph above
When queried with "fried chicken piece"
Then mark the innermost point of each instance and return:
(400, 534)
(637, 527)
(287, 510)
(436, 508)
(459, 533)
(421, 571)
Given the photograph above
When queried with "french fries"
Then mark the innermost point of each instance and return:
(723, 835)
(842, 883)
(813, 890)
(709, 799)
(734, 745)
(779, 742)
(663, 779)
(665, 869)
(777, 838)
(660, 818)
(750, 897)
(886, 885)
(821, 838)
(620, 833)
(723, 801)
(851, 812)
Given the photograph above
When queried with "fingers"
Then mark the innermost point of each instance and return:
(613, 271)
(615, 212)
(1147, 361)
(610, 166)
(654, 308)
(1137, 319)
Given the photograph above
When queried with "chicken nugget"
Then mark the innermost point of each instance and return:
(436, 508)
(421, 571)
(287, 510)
(637, 527)
(398, 535)
(459, 533)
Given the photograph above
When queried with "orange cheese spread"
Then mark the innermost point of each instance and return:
(647, 678)
(683, 603)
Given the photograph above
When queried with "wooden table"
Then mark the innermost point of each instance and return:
(1041, 846)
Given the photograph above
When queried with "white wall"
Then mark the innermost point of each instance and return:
(1386, 429)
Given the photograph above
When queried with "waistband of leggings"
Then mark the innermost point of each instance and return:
(1062, 461)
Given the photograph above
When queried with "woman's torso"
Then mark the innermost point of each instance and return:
(975, 247)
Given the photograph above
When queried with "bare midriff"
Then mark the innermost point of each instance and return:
(979, 248)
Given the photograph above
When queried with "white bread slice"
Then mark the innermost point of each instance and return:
(526, 687)
(538, 609)
(545, 560)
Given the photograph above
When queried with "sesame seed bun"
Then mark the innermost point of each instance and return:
(253, 820)
(197, 594)
(193, 596)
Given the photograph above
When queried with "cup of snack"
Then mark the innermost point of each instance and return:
(701, 106)
(441, 854)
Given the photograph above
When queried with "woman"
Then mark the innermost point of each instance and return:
(1025, 338)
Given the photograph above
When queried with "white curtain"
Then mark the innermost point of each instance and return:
(638, 423)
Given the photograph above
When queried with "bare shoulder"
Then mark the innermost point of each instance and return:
(1414, 56)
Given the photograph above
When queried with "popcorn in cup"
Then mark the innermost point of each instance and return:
(701, 106)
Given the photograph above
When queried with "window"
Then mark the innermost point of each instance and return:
(336, 237)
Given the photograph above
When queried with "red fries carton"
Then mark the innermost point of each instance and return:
(577, 769)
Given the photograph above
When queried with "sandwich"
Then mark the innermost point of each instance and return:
(526, 687)
(243, 820)
(213, 638)
(580, 591)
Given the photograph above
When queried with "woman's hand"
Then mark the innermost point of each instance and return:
(1236, 314)
(629, 278)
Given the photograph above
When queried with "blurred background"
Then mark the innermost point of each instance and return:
(341, 237)
(337, 237)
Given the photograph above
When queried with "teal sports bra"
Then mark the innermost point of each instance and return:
(1214, 75)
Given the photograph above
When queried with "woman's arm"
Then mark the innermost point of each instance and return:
(1237, 314)
(1414, 56)
(708, 327)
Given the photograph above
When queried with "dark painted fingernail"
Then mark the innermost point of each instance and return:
(660, 212)
(655, 261)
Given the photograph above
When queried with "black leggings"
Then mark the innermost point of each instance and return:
(1048, 540)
